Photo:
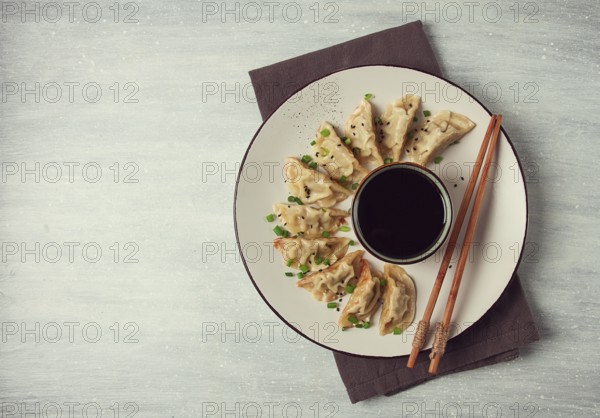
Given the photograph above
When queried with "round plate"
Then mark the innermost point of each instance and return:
(498, 242)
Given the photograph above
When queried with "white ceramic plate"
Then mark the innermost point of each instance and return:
(288, 132)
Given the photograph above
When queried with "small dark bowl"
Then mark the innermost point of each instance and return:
(434, 180)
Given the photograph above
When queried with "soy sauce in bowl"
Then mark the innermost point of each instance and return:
(402, 213)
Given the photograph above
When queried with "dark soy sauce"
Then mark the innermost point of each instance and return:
(401, 213)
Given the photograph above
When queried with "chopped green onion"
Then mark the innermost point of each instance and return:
(350, 288)
(397, 331)
(289, 274)
(306, 159)
(285, 233)
(278, 231)
(325, 234)
(318, 260)
(387, 160)
(347, 141)
(324, 151)
(332, 305)
(426, 113)
(326, 262)
(354, 186)
(303, 268)
(313, 165)
(410, 134)
(344, 228)
(438, 159)
(294, 199)
(289, 263)
(359, 326)
(352, 242)
(382, 283)
(300, 275)
(325, 133)
(369, 96)
(313, 142)
(366, 325)
(352, 319)
(356, 151)
(270, 217)
(343, 179)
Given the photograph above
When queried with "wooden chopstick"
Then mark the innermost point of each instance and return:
(423, 326)
(442, 330)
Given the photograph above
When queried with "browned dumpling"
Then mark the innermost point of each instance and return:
(399, 298)
(324, 285)
(333, 156)
(311, 186)
(307, 221)
(359, 129)
(395, 123)
(364, 300)
(312, 253)
(434, 135)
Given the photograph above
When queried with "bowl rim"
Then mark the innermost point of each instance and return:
(449, 211)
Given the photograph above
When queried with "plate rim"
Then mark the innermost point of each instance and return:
(268, 117)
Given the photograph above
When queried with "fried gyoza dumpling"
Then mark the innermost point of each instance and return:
(364, 300)
(434, 135)
(311, 186)
(324, 285)
(395, 124)
(312, 253)
(333, 156)
(399, 299)
(360, 131)
(307, 221)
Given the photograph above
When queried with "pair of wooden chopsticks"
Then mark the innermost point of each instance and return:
(442, 330)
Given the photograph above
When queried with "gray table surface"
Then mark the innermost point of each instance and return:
(183, 332)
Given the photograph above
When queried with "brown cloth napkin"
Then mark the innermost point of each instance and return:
(508, 325)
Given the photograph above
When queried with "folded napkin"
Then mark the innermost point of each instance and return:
(508, 325)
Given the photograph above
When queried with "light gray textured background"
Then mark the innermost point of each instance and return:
(194, 336)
